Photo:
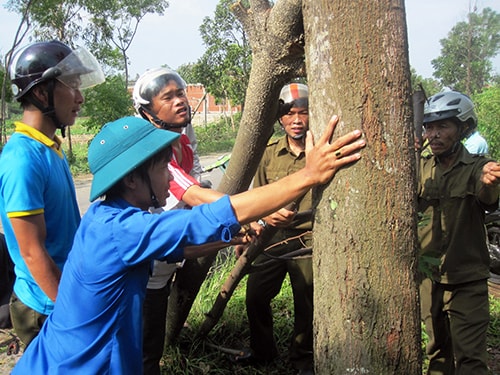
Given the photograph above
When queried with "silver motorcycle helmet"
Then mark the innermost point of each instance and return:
(148, 86)
(451, 105)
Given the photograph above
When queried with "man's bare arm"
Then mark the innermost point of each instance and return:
(30, 235)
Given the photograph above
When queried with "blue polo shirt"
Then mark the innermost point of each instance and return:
(35, 179)
(96, 326)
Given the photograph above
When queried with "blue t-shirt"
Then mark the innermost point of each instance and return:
(476, 144)
(35, 179)
(96, 326)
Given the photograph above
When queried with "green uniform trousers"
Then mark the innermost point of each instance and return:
(456, 319)
(27, 322)
(265, 284)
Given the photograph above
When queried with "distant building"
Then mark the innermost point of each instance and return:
(204, 106)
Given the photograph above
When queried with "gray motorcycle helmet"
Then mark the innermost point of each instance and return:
(451, 105)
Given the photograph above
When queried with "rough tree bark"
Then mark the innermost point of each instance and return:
(366, 318)
(276, 37)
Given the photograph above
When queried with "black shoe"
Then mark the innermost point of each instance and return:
(306, 371)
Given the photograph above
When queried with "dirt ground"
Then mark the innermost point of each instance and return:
(8, 354)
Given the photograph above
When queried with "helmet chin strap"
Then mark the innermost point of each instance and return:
(154, 201)
(50, 110)
(165, 125)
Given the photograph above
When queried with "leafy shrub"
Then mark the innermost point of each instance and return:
(218, 136)
(78, 163)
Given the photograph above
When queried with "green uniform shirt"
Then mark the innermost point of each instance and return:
(451, 226)
(277, 162)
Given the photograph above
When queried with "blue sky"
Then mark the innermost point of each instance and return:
(174, 38)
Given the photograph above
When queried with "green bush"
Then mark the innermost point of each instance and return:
(494, 327)
(219, 136)
(78, 163)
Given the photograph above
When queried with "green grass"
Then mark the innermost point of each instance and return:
(77, 159)
(494, 328)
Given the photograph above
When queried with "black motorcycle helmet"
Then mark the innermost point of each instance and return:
(44, 62)
(33, 65)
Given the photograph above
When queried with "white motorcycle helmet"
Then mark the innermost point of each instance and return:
(148, 86)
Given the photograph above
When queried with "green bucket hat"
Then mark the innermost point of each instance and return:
(121, 146)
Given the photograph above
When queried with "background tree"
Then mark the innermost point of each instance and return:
(107, 28)
(430, 85)
(186, 71)
(5, 97)
(22, 30)
(275, 35)
(488, 112)
(106, 102)
(366, 317)
(4, 76)
(115, 23)
(224, 68)
(465, 61)
(51, 19)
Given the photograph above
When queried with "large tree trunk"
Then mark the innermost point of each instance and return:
(366, 315)
(276, 37)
